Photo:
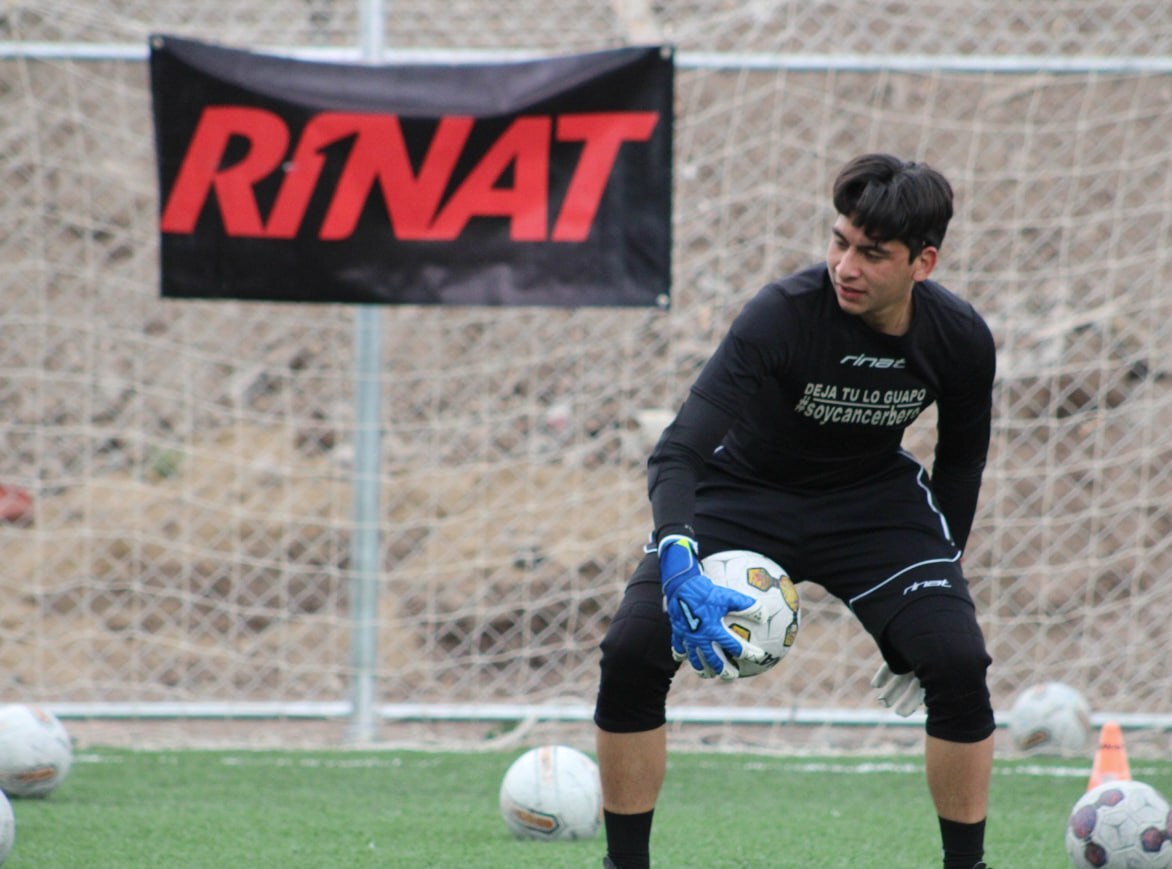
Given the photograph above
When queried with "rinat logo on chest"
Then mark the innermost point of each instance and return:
(861, 360)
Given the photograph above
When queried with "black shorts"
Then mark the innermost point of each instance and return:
(877, 545)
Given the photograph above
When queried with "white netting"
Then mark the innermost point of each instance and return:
(190, 462)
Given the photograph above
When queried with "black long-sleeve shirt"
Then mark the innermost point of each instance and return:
(806, 397)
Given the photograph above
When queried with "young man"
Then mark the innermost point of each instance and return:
(788, 444)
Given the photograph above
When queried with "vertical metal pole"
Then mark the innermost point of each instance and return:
(364, 540)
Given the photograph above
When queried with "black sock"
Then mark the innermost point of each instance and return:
(964, 844)
(628, 839)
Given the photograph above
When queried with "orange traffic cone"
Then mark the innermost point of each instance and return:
(1110, 757)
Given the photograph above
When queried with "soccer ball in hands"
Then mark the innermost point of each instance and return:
(1050, 718)
(757, 576)
(552, 793)
(35, 751)
(1120, 823)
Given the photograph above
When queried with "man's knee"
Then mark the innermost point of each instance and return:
(956, 692)
(943, 643)
(636, 668)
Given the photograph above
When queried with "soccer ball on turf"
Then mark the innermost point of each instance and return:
(551, 793)
(7, 828)
(1050, 718)
(1120, 823)
(35, 751)
(757, 576)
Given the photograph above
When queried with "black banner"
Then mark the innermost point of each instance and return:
(544, 182)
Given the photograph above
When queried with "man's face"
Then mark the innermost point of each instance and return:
(873, 279)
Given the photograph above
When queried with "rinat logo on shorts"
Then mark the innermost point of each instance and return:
(927, 583)
(862, 360)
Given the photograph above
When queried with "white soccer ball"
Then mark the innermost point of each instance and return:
(35, 751)
(7, 828)
(757, 576)
(1051, 718)
(552, 793)
(1120, 823)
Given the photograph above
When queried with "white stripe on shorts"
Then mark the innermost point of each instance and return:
(851, 603)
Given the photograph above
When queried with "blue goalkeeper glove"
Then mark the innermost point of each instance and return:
(697, 607)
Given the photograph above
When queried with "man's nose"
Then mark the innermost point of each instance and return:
(847, 264)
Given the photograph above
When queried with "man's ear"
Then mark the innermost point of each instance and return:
(924, 263)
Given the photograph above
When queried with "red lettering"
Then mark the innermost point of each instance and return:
(304, 170)
(525, 146)
(412, 200)
(603, 133)
(379, 154)
(200, 171)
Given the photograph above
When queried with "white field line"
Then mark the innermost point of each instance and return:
(339, 759)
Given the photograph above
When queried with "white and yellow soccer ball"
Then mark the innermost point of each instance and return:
(753, 574)
(35, 751)
(1051, 718)
(1120, 823)
(552, 793)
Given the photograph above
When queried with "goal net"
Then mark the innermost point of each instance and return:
(186, 542)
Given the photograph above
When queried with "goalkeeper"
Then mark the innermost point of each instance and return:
(789, 444)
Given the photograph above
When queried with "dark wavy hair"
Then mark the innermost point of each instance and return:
(895, 200)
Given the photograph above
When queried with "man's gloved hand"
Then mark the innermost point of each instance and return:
(902, 692)
(697, 606)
